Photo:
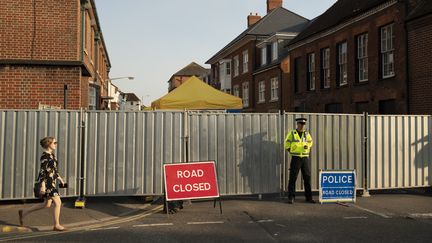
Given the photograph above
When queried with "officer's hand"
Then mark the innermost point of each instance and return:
(305, 147)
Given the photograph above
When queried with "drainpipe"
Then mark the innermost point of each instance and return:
(83, 3)
(281, 88)
(407, 70)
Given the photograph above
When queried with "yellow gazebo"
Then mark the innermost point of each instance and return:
(194, 94)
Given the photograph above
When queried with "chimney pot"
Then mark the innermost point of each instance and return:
(253, 19)
(273, 4)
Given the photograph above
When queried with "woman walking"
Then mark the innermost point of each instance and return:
(48, 176)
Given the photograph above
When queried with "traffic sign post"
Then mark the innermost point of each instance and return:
(197, 180)
(337, 186)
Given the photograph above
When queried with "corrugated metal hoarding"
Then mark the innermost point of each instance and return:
(126, 151)
(20, 133)
(246, 148)
(337, 144)
(400, 151)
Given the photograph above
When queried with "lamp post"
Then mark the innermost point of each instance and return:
(110, 84)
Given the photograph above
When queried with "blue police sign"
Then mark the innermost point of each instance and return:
(337, 186)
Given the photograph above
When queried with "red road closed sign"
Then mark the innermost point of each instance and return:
(190, 181)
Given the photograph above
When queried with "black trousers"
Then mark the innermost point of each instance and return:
(298, 164)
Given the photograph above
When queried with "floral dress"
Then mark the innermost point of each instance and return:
(48, 173)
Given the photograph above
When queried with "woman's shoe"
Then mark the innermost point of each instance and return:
(20, 214)
(57, 229)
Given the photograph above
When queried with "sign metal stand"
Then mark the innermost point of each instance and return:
(192, 180)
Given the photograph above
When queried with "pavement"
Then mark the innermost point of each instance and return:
(97, 210)
(389, 217)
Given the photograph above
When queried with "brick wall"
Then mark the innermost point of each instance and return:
(373, 91)
(420, 65)
(40, 29)
(268, 105)
(27, 86)
(245, 77)
(49, 33)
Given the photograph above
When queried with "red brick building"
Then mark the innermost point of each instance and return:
(419, 26)
(52, 49)
(193, 69)
(249, 66)
(353, 59)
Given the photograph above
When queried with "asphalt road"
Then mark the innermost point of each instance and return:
(385, 218)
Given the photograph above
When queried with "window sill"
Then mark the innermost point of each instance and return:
(274, 100)
(342, 86)
(261, 102)
(361, 83)
(388, 77)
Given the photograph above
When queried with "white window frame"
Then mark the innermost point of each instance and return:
(264, 56)
(245, 61)
(311, 71)
(342, 63)
(236, 90)
(92, 103)
(387, 51)
(245, 94)
(261, 92)
(326, 67)
(236, 66)
(228, 68)
(274, 94)
(362, 57)
(275, 51)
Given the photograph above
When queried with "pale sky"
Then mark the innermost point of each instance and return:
(151, 40)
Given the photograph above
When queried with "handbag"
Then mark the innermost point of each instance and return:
(36, 189)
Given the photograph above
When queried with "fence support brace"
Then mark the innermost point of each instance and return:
(365, 154)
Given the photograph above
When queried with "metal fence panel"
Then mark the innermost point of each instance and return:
(400, 151)
(337, 144)
(126, 150)
(20, 133)
(246, 148)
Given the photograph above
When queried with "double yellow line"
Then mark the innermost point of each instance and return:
(88, 227)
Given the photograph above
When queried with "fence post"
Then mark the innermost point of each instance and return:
(186, 135)
(365, 153)
(80, 202)
(282, 132)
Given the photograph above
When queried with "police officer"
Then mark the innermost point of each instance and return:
(299, 142)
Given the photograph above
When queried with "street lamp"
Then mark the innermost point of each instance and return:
(109, 80)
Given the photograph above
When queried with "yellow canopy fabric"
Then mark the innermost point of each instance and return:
(194, 94)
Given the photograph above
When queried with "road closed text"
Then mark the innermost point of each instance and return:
(193, 187)
(196, 187)
(191, 180)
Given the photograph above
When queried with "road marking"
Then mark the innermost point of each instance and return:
(109, 228)
(421, 215)
(281, 225)
(209, 222)
(358, 217)
(372, 212)
(87, 227)
(265, 221)
(152, 225)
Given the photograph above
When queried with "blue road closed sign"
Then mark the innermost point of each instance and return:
(337, 186)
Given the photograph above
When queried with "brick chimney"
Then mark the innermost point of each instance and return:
(272, 4)
(252, 19)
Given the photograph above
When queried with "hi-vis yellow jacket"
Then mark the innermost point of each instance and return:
(296, 144)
